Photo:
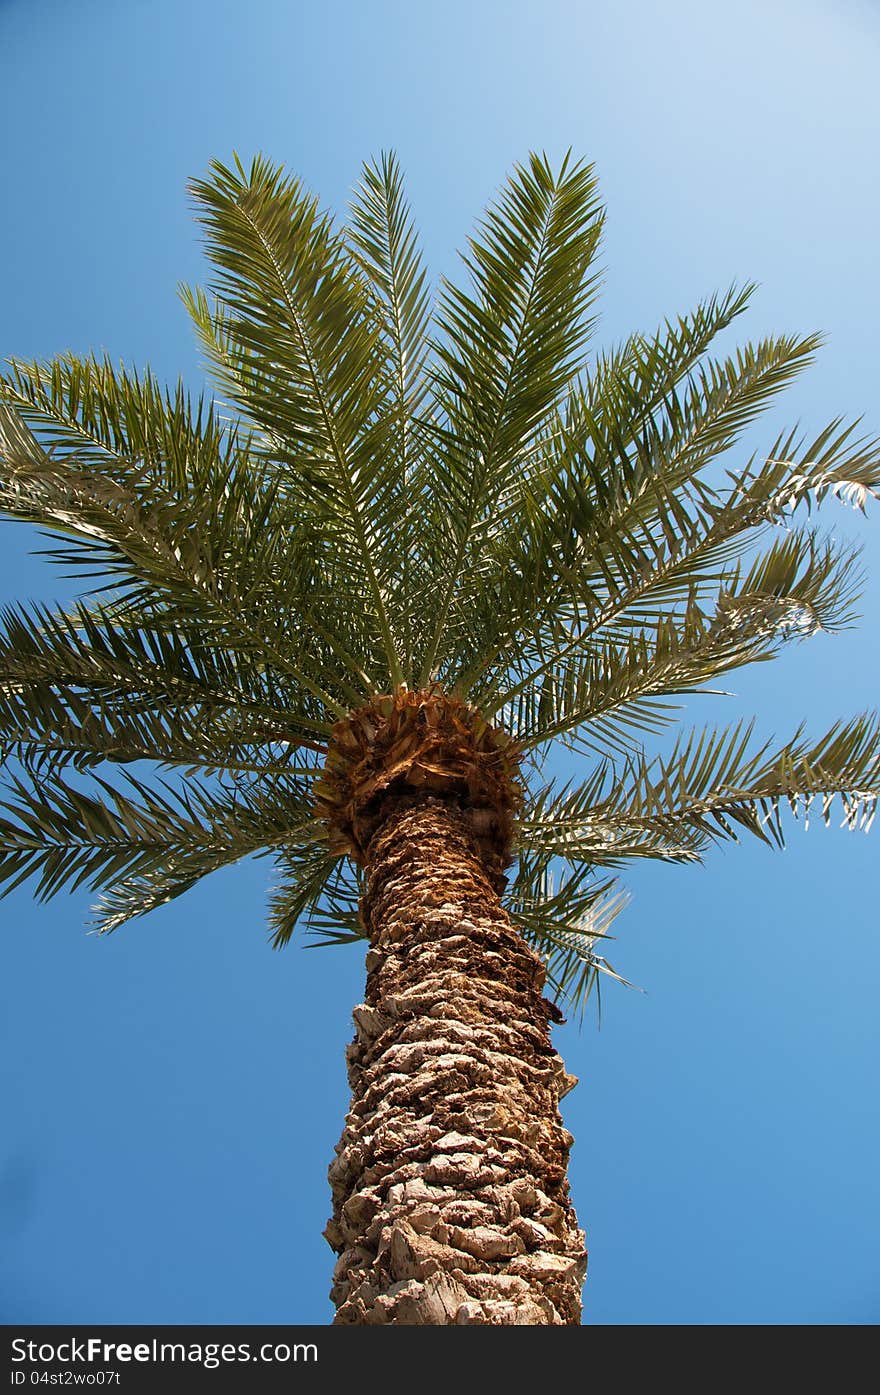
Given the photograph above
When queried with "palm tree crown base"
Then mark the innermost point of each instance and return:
(410, 743)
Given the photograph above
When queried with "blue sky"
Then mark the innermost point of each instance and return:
(171, 1094)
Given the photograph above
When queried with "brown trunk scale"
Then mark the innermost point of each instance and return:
(451, 1202)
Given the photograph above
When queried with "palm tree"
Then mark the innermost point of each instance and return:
(344, 625)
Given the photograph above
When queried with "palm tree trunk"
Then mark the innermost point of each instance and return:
(450, 1193)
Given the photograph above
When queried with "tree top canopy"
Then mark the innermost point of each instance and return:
(391, 491)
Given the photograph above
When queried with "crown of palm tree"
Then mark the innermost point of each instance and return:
(460, 500)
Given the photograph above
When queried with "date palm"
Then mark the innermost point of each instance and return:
(342, 616)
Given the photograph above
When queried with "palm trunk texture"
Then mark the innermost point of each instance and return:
(451, 1202)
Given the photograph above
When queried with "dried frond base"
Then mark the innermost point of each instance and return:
(418, 742)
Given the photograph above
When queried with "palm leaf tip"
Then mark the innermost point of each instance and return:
(713, 786)
(564, 916)
(318, 888)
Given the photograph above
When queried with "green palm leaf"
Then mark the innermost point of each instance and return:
(563, 917)
(511, 347)
(63, 836)
(301, 360)
(316, 887)
(711, 787)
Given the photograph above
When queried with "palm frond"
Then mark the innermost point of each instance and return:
(319, 887)
(152, 497)
(129, 839)
(627, 385)
(653, 580)
(385, 246)
(563, 917)
(105, 686)
(510, 347)
(711, 787)
(299, 355)
(620, 504)
(608, 689)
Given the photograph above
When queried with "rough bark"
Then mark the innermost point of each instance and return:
(450, 1194)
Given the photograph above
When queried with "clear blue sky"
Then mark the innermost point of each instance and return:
(171, 1095)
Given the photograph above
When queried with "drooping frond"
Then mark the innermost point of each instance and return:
(564, 917)
(144, 479)
(153, 499)
(320, 890)
(608, 689)
(143, 846)
(711, 787)
(81, 686)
